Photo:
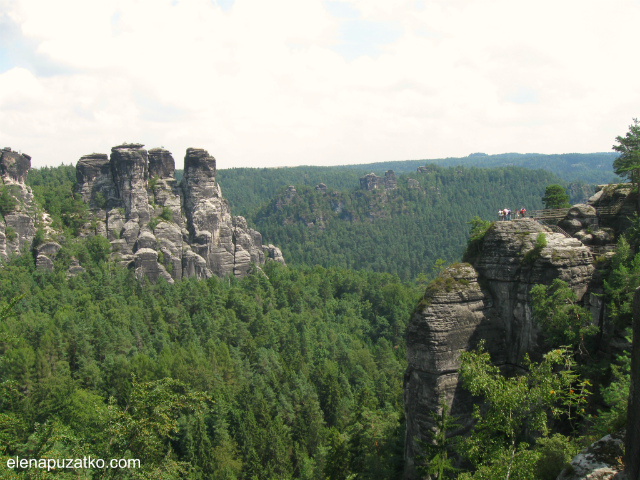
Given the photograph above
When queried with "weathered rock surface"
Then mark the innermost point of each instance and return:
(489, 300)
(75, 268)
(45, 254)
(18, 226)
(599, 461)
(453, 316)
(372, 181)
(130, 174)
(161, 163)
(162, 228)
(14, 166)
(616, 205)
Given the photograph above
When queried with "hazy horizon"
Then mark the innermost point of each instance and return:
(320, 82)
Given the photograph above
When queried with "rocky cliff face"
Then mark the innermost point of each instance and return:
(372, 181)
(487, 300)
(19, 212)
(162, 228)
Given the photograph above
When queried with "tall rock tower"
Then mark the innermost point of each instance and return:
(162, 228)
(487, 300)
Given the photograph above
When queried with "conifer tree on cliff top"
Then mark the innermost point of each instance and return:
(628, 163)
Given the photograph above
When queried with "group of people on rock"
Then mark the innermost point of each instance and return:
(505, 214)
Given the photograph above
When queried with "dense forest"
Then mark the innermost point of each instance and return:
(248, 188)
(402, 231)
(287, 373)
(291, 372)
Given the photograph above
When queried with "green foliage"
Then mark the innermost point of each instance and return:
(220, 379)
(38, 238)
(554, 454)
(153, 223)
(519, 464)
(401, 231)
(628, 163)
(101, 202)
(152, 182)
(7, 201)
(555, 197)
(10, 234)
(623, 279)
(436, 460)
(532, 255)
(248, 188)
(517, 408)
(166, 214)
(562, 320)
(615, 397)
(479, 228)
(53, 189)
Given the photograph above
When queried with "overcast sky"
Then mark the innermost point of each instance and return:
(316, 82)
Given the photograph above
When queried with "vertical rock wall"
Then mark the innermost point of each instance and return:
(17, 225)
(487, 300)
(162, 228)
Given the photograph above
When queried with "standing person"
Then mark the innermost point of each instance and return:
(507, 214)
(500, 215)
(523, 212)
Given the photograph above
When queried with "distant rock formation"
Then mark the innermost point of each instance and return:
(18, 224)
(487, 300)
(162, 228)
(372, 181)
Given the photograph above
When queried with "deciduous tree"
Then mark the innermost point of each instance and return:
(628, 163)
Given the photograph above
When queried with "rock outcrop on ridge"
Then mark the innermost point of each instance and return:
(20, 214)
(372, 181)
(165, 228)
(487, 300)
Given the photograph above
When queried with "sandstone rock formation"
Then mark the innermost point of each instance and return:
(19, 213)
(487, 300)
(616, 206)
(161, 228)
(600, 461)
(372, 181)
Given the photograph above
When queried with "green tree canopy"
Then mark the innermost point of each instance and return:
(555, 197)
(628, 163)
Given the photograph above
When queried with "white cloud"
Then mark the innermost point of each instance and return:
(275, 83)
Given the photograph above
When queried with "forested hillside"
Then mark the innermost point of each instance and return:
(401, 231)
(295, 373)
(290, 372)
(248, 188)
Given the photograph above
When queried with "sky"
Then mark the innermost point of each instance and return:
(316, 82)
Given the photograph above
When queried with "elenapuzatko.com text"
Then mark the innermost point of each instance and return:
(71, 463)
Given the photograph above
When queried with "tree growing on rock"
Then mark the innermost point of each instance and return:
(517, 410)
(555, 197)
(628, 163)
